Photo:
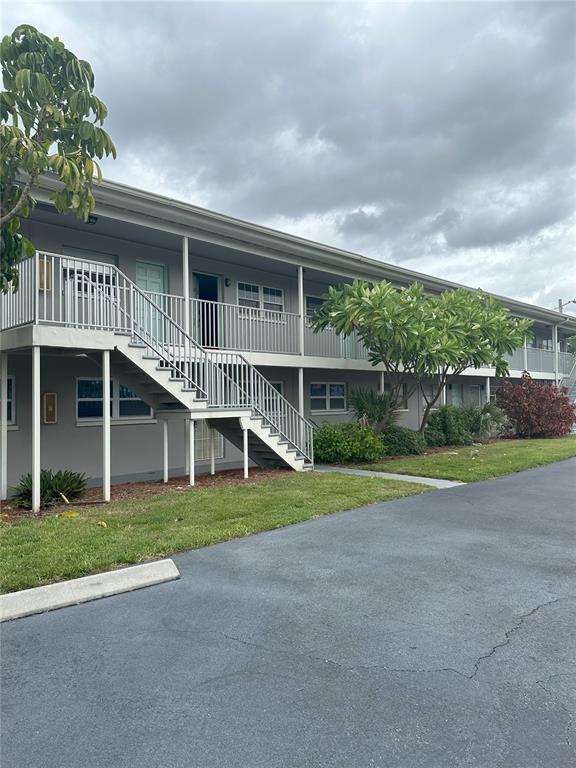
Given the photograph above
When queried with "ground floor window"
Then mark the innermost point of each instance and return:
(202, 436)
(327, 396)
(124, 404)
(403, 399)
(11, 400)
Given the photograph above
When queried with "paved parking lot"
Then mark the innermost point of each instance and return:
(432, 631)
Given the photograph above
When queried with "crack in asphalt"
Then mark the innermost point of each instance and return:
(510, 632)
(508, 635)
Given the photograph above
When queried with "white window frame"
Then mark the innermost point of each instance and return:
(12, 401)
(115, 413)
(327, 397)
(261, 308)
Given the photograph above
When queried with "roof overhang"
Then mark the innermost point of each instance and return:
(149, 209)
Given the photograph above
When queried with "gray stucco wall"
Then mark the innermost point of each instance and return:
(70, 444)
(137, 448)
(90, 243)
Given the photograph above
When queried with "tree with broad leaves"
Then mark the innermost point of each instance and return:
(423, 340)
(50, 121)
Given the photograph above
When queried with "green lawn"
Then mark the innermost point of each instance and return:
(482, 462)
(38, 550)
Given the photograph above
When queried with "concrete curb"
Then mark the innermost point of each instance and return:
(16, 605)
(433, 482)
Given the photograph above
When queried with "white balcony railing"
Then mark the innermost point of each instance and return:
(75, 293)
(72, 292)
(540, 360)
(229, 326)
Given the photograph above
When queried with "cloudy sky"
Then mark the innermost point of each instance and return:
(439, 136)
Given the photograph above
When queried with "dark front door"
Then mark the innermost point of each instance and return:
(207, 308)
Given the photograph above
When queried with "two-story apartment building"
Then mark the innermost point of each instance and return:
(194, 328)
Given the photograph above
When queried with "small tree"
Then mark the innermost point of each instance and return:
(372, 409)
(536, 409)
(434, 338)
(50, 121)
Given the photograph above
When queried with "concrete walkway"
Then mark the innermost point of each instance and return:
(433, 481)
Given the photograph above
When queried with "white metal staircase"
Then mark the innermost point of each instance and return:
(156, 358)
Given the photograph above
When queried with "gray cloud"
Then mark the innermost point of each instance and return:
(436, 135)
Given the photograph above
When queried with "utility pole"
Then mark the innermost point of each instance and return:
(562, 304)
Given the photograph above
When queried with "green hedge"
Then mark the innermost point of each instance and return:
(458, 425)
(338, 443)
(401, 441)
(449, 425)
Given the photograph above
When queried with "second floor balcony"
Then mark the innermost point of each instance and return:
(70, 292)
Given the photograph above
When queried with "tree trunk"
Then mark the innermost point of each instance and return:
(430, 404)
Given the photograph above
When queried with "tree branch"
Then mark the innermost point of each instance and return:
(20, 204)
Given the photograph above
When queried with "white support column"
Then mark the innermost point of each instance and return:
(212, 452)
(106, 425)
(556, 359)
(443, 395)
(382, 382)
(186, 446)
(245, 450)
(191, 452)
(3, 425)
(525, 353)
(165, 450)
(301, 391)
(487, 389)
(35, 429)
(186, 285)
(301, 308)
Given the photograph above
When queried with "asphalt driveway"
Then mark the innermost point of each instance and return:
(431, 631)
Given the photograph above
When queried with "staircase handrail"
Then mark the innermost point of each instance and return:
(178, 350)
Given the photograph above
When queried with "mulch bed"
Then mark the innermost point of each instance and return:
(140, 490)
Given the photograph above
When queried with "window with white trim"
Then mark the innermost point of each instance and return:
(403, 397)
(327, 396)
(130, 405)
(11, 401)
(260, 297)
(124, 404)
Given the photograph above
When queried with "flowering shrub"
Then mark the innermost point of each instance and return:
(535, 409)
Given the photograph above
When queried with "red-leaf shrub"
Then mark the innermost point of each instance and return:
(535, 409)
